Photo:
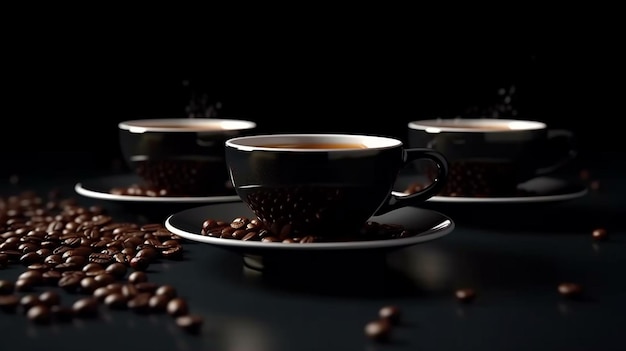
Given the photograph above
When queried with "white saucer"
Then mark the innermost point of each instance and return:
(540, 190)
(426, 224)
(99, 188)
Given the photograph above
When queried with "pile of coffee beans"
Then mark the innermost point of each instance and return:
(251, 229)
(64, 247)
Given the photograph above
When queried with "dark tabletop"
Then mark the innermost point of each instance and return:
(513, 257)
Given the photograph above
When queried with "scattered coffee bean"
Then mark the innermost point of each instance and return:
(378, 330)
(39, 314)
(9, 303)
(50, 298)
(6, 287)
(86, 307)
(600, 234)
(465, 295)
(190, 323)
(116, 301)
(137, 277)
(28, 301)
(570, 290)
(177, 307)
(390, 313)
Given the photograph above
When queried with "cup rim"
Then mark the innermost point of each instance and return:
(514, 125)
(256, 142)
(143, 125)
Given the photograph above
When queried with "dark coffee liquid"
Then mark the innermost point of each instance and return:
(317, 146)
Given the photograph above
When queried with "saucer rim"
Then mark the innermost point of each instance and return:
(509, 199)
(445, 227)
(80, 188)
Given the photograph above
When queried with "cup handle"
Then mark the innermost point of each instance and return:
(570, 150)
(397, 200)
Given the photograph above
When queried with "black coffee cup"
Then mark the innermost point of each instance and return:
(180, 156)
(490, 157)
(324, 185)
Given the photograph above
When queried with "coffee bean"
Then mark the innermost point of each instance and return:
(116, 300)
(140, 303)
(166, 290)
(570, 290)
(378, 330)
(139, 263)
(28, 301)
(85, 307)
(390, 313)
(600, 234)
(39, 314)
(465, 295)
(50, 298)
(177, 307)
(6, 287)
(27, 284)
(137, 277)
(190, 323)
(158, 303)
(9, 303)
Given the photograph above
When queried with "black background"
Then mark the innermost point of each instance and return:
(63, 100)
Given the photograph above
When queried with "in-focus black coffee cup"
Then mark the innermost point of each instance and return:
(324, 185)
(490, 157)
(180, 156)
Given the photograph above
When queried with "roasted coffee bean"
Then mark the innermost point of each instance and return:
(30, 258)
(100, 258)
(28, 301)
(129, 291)
(465, 295)
(86, 307)
(177, 307)
(139, 263)
(70, 282)
(101, 293)
(39, 314)
(9, 303)
(166, 290)
(50, 298)
(148, 287)
(190, 323)
(174, 252)
(140, 303)
(137, 277)
(600, 234)
(27, 284)
(41, 267)
(51, 277)
(570, 290)
(104, 279)
(390, 313)
(4, 259)
(35, 276)
(116, 301)
(89, 284)
(6, 287)
(158, 303)
(378, 330)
